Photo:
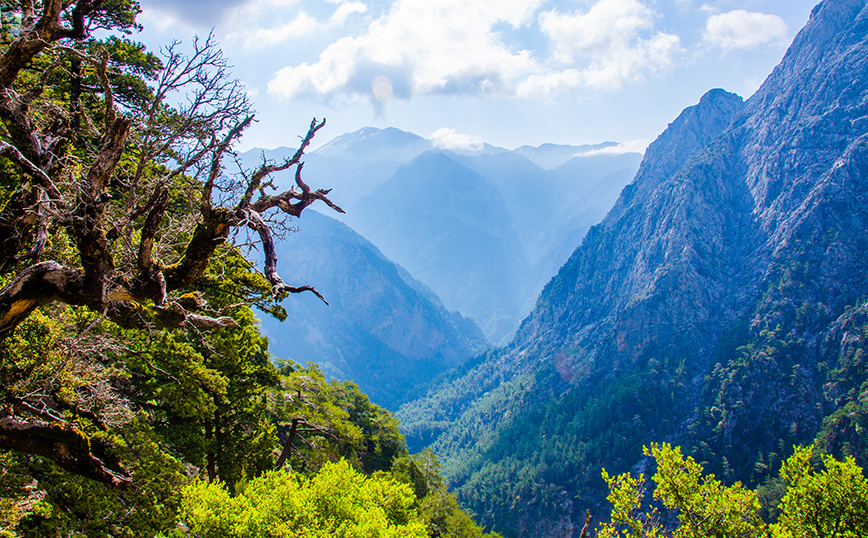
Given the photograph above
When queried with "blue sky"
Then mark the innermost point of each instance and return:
(506, 72)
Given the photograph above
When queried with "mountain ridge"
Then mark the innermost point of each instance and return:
(382, 329)
(710, 307)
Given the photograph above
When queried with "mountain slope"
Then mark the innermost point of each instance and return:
(546, 211)
(382, 330)
(719, 305)
(450, 229)
(486, 232)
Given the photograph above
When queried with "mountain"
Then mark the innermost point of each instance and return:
(566, 229)
(551, 210)
(450, 229)
(382, 329)
(372, 144)
(720, 305)
(537, 216)
(348, 178)
(551, 156)
(486, 232)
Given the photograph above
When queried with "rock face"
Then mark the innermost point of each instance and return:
(382, 330)
(719, 305)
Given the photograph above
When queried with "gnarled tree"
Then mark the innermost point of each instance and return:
(115, 195)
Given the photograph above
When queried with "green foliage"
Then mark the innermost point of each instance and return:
(515, 457)
(705, 507)
(437, 506)
(338, 501)
(131, 363)
(829, 503)
(626, 494)
(334, 419)
(69, 505)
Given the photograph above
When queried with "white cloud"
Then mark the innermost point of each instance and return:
(186, 15)
(453, 47)
(345, 10)
(423, 47)
(446, 138)
(254, 22)
(165, 20)
(740, 29)
(549, 83)
(631, 146)
(265, 37)
(615, 37)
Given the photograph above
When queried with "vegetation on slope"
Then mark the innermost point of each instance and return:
(135, 386)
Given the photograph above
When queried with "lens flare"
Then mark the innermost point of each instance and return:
(382, 88)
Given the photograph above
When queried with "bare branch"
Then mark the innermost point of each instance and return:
(13, 154)
(217, 154)
(255, 221)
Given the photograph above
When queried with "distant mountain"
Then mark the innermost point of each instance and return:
(486, 149)
(450, 229)
(568, 227)
(720, 305)
(383, 330)
(551, 156)
(540, 215)
(349, 179)
(372, 144)
(551, 210)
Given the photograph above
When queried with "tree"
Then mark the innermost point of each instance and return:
(115, 203)
(338, 501)
(832, 502)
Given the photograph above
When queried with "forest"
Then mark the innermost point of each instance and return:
(138, 396)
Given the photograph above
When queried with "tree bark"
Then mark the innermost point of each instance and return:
(68, 447)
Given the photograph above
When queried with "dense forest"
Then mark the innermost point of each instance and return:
(138, 397)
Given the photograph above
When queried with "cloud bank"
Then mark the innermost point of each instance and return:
(446, 138)
(740, 29)
(460, 47)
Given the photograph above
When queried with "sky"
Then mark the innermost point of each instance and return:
(463, 72)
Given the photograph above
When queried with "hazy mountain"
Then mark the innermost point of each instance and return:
(372, 144)
(349, 179)
(551, 210)
(720, 305)
(567, 228)
(538, 216)
(550, 156)
(383, 330)
(450, 229)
